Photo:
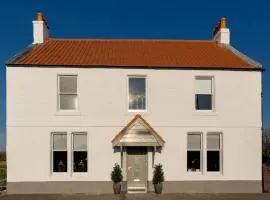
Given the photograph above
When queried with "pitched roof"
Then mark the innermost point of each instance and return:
(137, 117)
(132, 53)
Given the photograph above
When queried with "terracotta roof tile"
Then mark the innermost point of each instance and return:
(133, 53)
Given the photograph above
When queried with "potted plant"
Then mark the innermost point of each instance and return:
(158, 178)
(117, 177)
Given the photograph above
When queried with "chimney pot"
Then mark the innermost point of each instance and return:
(40, 16)
(223, 22)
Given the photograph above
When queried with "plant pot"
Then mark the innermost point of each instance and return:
(116, 187)
(158, 188)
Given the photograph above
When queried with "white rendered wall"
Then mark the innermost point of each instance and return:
(32, 115)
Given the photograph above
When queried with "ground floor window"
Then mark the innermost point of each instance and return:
(213, 152)
(59, 152)
(69, 152)
(79, 152)
(208, 151)
(194, 152)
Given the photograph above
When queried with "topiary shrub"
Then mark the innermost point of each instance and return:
(116, 174)
(158, 174)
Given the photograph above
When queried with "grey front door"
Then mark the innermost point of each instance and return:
(137, 169)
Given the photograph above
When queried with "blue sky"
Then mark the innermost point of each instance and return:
(248, 21)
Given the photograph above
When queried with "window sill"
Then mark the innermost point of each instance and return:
(137, 111)
(80, 174)
(194, 172)
(68, 113)
(134, 112)
(59, 174)
(205, 113)
(214, 173)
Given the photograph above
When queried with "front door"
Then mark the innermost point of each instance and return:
(137, 169)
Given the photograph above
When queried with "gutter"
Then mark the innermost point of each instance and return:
(240, 68)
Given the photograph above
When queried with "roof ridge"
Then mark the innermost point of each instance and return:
(128, 40)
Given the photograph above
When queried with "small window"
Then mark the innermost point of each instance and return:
(213, 152)
(59, 152)
(79, 152)
(194, 152)
(137, 93)
(67, 92)
(203, 93)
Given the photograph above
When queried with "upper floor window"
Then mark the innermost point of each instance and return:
(137, 93)
(67, 92)
(204, 93)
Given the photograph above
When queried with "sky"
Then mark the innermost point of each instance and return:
(248, 20)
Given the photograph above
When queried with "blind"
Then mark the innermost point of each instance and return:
(80, 142)
(60, 142)
(194, 141)
(203, 85)
(68, 84)
(213, 141)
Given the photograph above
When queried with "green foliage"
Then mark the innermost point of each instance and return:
(266, 145)
(3, 170)
(3, 173)
(116, 174)
(2, 156)
(158, 174)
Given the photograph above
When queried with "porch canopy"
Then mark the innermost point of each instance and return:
(138, 133)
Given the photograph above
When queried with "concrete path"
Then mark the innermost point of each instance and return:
(265, 196)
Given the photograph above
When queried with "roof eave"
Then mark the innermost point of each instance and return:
(234, 68)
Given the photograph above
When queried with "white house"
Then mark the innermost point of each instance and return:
(75, 107)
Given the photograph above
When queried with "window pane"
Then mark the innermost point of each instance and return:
(59, 141)
(213, 161)
(80, 142)
(68, 102)
(59, 161)
(80, 161)
(203, 102)
(193, 160)
(137, 94)
(203, 85)
(194, 141)
(68, 84)
(213, 141)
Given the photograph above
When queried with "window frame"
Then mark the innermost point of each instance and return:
(72, 151)
(146, 95)
(213, 94)
(220, 153)
(201, 152)
(59, 94)
(52, 151)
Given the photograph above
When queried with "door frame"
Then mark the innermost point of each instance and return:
(146, 170)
